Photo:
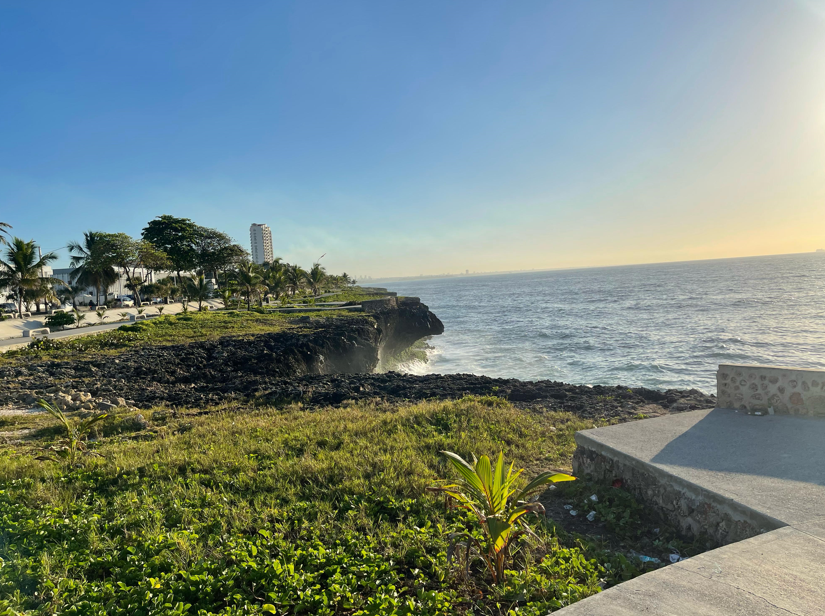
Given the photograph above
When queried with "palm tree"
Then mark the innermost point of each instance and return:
(3, 232)
(42, 292)
(22, 269)
(197, 289)
(249, 281)
(315, 277)
(294, 277)
(68, 293)
(90, 268)
(275, 281)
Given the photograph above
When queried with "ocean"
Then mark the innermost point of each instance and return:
(660, 326)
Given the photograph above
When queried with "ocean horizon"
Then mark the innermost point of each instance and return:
(663, 325)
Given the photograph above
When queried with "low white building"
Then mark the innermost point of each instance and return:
(115, 290)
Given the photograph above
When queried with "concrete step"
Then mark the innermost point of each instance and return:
(755, 485)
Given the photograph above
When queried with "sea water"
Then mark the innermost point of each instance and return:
(660, 326)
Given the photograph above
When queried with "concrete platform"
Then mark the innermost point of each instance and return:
(754, 483)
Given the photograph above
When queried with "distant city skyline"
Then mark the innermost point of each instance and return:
(406, 139)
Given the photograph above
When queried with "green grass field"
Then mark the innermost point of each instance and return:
(244, 510)
(170, 329)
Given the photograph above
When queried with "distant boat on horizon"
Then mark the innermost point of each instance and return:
(820, 250)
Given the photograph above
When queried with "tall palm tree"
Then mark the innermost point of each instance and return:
(315, 277)
(91, 268)
(22, 269)
(294, 277)
(197, 289)
(3, 233)
(275, 281)
(248, 281)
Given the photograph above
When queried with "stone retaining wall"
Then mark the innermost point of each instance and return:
(694, 511)
(771, 389)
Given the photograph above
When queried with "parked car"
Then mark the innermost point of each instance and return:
(126, 301)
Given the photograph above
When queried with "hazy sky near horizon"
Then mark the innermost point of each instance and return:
(423, 137)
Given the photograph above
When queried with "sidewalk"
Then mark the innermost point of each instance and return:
(766, 473)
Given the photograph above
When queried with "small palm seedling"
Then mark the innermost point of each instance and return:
(141, 310)
(160, 309)
(101, 315)
(492, 496)
(78, 317)
(73, 443)
(123, 315)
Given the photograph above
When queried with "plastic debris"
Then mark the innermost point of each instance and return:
(645, 559)
(594, 498)
(675, 558)
(656, 531)
(573, 512)
(568, 507)
(591, 516)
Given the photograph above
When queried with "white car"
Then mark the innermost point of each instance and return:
(126, 301)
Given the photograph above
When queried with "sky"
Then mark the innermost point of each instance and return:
(407, 138)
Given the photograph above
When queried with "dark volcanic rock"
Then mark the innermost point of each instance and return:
(327, 361)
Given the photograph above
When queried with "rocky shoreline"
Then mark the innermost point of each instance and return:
(325, 361)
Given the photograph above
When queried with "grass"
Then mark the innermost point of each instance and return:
(165, 330)
(244, 510)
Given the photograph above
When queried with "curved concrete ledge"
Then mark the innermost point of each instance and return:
(733, 476)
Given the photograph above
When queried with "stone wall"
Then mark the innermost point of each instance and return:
(696, 512)
(771, 389)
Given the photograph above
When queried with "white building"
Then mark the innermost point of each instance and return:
(260, 237)
(115, 290)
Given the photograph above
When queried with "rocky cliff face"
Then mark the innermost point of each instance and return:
(208, 372)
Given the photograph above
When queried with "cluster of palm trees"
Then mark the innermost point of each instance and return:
(277, 279)
(22, 275)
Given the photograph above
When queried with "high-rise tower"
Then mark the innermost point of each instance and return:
(260, 237)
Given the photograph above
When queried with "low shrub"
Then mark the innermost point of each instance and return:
(60, 320)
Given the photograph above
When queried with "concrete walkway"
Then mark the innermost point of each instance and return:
(767, 470)
(11, 330)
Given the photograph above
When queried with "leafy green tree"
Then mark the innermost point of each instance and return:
(92, 263)
(494, 498)
(130, 256)
(22, 269)
(177, 238)
(216, 252)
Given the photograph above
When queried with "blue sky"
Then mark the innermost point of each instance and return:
(426, 137)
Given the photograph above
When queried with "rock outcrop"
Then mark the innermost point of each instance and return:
(210, 371)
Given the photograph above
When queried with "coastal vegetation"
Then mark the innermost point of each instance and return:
(199, 262)
(241, 509)
(165, 330)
